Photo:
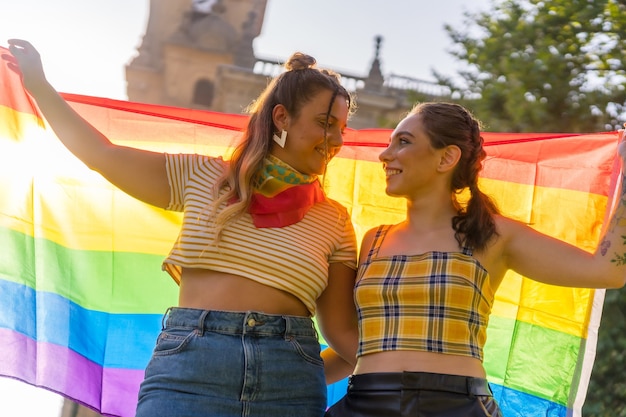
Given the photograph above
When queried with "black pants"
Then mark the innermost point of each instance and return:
(415, 394)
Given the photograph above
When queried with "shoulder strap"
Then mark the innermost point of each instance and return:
(378, 240)
(467, 250)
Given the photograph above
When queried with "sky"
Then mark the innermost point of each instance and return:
(86, 44)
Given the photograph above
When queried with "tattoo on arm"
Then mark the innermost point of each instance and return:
(620, 260)
(617, 218)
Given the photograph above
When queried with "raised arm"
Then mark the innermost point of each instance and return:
(139, 173)
(549, 260)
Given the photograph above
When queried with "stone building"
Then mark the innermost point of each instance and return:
(199, 54)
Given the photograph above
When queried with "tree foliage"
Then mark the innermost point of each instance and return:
(542, 66)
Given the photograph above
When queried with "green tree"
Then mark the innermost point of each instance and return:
(542, 66)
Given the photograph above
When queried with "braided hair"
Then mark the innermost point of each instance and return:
(451, 124)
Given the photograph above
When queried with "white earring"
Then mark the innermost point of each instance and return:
(280, 140)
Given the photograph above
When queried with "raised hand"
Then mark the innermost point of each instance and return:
(25, 60)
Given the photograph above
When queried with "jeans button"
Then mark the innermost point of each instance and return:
(251, 322)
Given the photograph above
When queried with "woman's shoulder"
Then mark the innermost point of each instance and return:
(510, 232)
(506, 226)
(370, 234)
(335, 206)
(206, 164)
(197, 159)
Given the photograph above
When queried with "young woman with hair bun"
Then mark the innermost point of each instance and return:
(261, 249)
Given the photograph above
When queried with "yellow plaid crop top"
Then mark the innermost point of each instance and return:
(293, 258)
(434, 302)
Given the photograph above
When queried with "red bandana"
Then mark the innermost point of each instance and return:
(283, 196)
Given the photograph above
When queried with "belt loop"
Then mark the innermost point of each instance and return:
(287, 333)
(248, 321)
(470, 391)
(200, 329)
(163, 319)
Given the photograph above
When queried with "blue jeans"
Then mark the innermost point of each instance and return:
(227, 364)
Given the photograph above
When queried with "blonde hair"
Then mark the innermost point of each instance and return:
(297, 85)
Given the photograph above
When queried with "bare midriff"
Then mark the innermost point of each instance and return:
(411, 361)
(210, 290)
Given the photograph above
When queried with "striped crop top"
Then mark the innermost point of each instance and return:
(293, 258)
(434, 302)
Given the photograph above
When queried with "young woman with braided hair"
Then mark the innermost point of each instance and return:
(261, 248)
(425, 286)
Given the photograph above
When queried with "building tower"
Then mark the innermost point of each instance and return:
(199, 54)
(186, 44)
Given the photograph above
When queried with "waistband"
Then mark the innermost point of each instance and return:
(249, 322)
(397, 381)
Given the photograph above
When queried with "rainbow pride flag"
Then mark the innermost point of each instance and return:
(82, 293)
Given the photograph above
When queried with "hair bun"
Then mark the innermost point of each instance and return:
(299, 61)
